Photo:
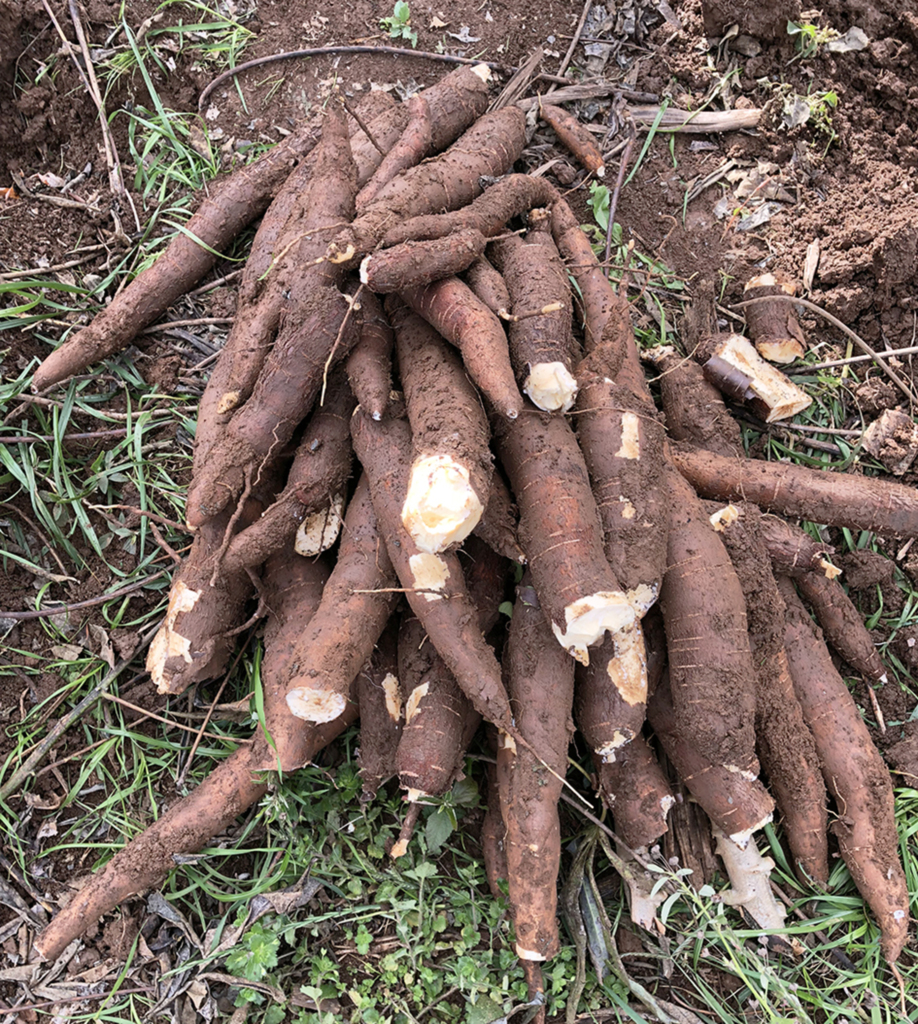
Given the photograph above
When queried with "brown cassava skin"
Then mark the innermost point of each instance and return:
(204, 627)
(783, 741)
(356, 604)
(792, 550)
(234, 786)
(417, 263)
(498, 524)
(444, 409)
(446, 182)
(510, 197)
(309, 328)
(540, 681)
(466, 322)
(437, 592)
(612, 354)
(488, 284)
(454, 102)
(319, 472)
(493, 839)
(711, 667)
(855, 775)
(575, 137)
(819, 495)
(734, 803)
(622, 441)
(694, 409)
(842, 624)
(369, 363)
(773, 326)
(440, 720)
(381, 720)
(535, 278)
(560, 531)
(598, 300)
(633, 785)
(236, 202)
(609, 709)
(284, 395)
(413, 145)
(637, 793)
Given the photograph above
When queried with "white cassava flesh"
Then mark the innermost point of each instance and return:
(429, 574)
(319, 530)
(551, 386)
(317, 706)
(588, 618)
(441, 507)
(772, 394)
(168, 643)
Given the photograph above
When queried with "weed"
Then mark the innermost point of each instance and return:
(398, 24)
(809, 38)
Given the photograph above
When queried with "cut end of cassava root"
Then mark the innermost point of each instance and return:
(735, 367)
(551, 386)
(589, 618)
(317, 706)
(441, 507)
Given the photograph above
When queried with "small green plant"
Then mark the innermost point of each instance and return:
(809, 38)
(398, 25)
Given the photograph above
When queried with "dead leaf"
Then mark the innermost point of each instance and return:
(67, 652)
(435, 22)
(854, 39)
(810, 264)
(104, 644)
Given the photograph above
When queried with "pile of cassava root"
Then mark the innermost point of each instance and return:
(479, 387)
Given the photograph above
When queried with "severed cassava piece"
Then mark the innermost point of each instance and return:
(773, 326)
(541, 339)
(369, 363)
(855, 775)
(540, 682)
(711, 667)
(451, 473)
(356, 604)
(732, 364)
(560, 531)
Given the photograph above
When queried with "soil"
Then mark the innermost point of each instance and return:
(844, 180)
